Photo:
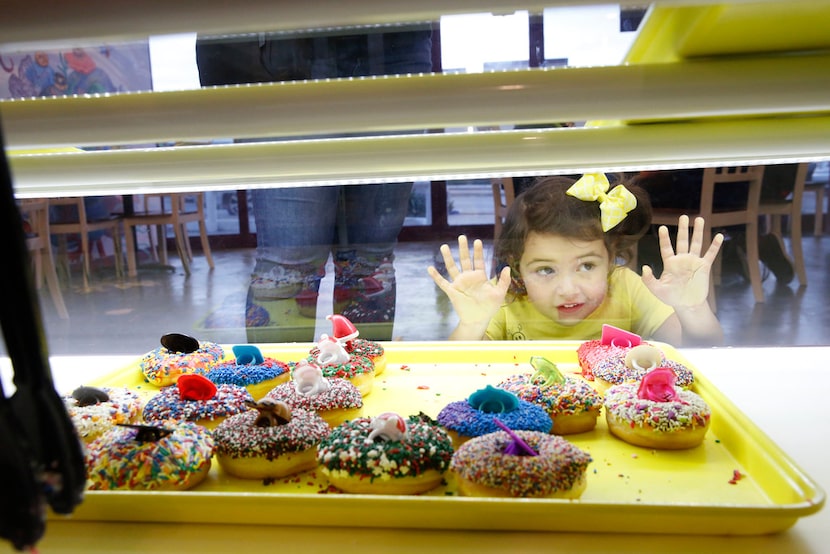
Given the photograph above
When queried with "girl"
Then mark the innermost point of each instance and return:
(562, 242)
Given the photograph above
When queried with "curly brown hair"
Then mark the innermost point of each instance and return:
(546, 208)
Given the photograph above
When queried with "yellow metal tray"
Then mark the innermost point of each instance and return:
(630, 489)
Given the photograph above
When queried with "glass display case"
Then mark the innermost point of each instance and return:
(673, 85)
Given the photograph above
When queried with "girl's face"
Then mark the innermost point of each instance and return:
(566, 279)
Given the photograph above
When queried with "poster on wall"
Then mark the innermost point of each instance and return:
(70, 71)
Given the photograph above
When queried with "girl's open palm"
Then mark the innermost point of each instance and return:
(475, 297)
(685, 278)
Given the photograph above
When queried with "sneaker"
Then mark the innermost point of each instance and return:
(772, 255)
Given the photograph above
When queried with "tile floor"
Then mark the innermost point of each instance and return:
(128, 316)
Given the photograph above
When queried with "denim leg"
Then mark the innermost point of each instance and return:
(364, 280)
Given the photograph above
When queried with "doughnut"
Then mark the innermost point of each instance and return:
(614, 341)
(572, 404)
(157, 456)
(473, 417)
(347, 334)
(94, 411)
(195, 398)
(178, 355)
(269, 441)
(276, 284)
(331, 356)
(251, 370)
(655, 413)
(370, 349)
(335, 400)
(631, 366)
(488, 466)
(386, 454)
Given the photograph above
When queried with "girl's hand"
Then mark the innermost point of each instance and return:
(475, 297)
(684, 282)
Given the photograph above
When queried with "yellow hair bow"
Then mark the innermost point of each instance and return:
(614, 206)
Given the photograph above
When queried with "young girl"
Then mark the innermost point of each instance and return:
(562, 241)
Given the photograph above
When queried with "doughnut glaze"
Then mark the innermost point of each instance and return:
(258, 378)
(676, 424)
(178, 461)
(357, 461)
(161, 367)
(249, 450)
(168, 404)
(91, 420)
(483, 469)
(614, 371)
(572, 405)
(341, 401)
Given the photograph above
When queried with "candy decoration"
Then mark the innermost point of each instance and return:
(388, 426)
(547, 370)
(614, 336)
(247, 354)
(89, 396)
(147, 433)
(308, 379)
(332, 351)
(517, 446)
(177, 342)
(271, 412)
(643, 357)
(493, 401)
(195, 387)
(658, 385)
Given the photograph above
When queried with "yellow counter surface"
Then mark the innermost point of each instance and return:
(751, 378)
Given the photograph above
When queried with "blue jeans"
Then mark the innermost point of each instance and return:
(358, 225)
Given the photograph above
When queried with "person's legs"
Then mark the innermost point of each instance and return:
(295, 230)
(364, 286)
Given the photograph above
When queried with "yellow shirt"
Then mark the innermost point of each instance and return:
(628, 305)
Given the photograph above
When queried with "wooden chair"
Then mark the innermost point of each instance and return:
(172, 211)
(503, 196)
(78, 222)
(747, 217)
(791, 207)
(818, 187)
(39, 244)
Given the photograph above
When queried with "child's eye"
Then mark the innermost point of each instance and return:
(544, 271)
(587, 266)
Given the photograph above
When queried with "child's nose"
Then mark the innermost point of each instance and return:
(566, 285)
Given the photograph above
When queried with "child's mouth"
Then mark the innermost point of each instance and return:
(568, 309)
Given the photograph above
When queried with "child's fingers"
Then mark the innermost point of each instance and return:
(697, 237)
(682, 246)
(648, 276)
(463, 253)
(666, 249)
(478, 255)
(439, 280)
(503, 283)
(449, 262)
(714, 248)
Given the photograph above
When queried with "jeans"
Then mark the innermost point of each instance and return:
(358, 225)
(299, 228)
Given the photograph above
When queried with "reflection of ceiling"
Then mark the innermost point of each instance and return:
(718, 83)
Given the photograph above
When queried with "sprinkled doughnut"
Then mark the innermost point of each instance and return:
(473, 417)
(385, 455)
(636, 362)
(613, 342)
(344, 332)
(331, 356)
(158, 456)
(335, 400)
(269, 441)
(656, 414)
(94, 411)
(572, 404)
(251, 370)
(195, 398)
(178, 355)
(483, 468)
